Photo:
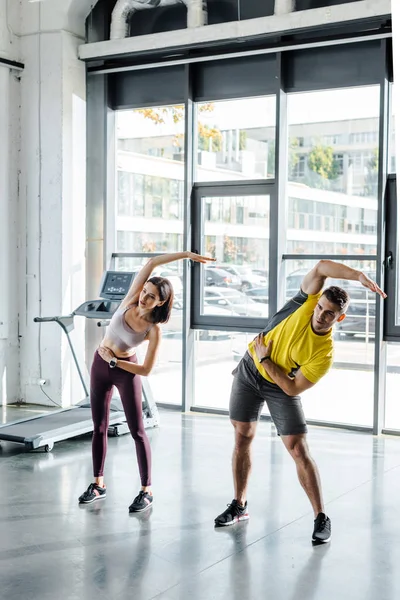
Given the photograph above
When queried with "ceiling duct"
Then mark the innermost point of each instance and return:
(283, 7)
(197, 13)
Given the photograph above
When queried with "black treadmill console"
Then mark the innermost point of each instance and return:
(113, 289)
(115, 285)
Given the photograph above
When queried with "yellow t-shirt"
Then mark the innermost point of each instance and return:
(294, 343)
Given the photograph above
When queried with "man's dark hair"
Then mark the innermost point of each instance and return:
(338, 296)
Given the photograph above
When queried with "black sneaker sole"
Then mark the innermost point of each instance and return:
(133, 510)
(92, 500)
(235, 520)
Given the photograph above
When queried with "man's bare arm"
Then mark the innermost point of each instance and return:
(314, 281)
(291, 386)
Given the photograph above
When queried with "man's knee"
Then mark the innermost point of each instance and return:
(298, 448)
(244, 433)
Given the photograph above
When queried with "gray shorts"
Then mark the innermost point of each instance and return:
(249, 392)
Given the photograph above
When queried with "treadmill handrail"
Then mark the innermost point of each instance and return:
(67, 324)
(48, 319)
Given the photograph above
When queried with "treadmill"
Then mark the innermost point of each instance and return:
(43, 431)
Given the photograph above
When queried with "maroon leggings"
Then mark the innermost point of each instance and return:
(102, 381)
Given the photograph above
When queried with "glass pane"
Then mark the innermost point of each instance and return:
(392, 406)
(165, 380)
(236, 233)
(236, 139)
(345, 394)
(149, 179)
(333, 171)
(217, 354)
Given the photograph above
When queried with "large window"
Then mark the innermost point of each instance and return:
(150, 174)
(236, 139)
(333, 171)
(149, 217)
(332, 209)
(265, 232)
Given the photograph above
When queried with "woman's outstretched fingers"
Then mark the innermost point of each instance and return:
(200, 258)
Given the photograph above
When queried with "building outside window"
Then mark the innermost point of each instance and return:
(333, 209)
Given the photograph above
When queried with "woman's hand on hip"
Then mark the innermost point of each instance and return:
(105, 353)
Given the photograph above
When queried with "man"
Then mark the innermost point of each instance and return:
(289, 357)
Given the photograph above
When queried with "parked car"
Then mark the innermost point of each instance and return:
(237, 302)
(248, 278)
(293, 282)
(170, 274)
(362, 303)
(259, 294)
(221, 278)
(356, 320)
(262, 272)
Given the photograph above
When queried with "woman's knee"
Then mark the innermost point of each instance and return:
(100, 429)
(139, 435)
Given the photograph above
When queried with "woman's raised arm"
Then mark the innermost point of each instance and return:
(147, 269)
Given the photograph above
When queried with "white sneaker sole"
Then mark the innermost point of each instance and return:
(321, 541)
(141, 509)
(93, 499)
(235, 520)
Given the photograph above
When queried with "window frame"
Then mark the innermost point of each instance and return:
(232, 189)
(391, 263)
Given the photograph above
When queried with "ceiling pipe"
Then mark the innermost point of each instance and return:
(284, 7)
(196, 13)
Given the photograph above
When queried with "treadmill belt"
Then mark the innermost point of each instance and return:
(47, 423)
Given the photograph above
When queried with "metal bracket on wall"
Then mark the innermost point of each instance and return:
(11, 64)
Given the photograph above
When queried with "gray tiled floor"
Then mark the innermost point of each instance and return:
(52, 548)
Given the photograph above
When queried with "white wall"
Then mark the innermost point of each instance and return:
(45, 199)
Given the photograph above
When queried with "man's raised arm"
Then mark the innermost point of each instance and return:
(314, 281)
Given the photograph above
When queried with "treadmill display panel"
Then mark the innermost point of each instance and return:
(115, 284)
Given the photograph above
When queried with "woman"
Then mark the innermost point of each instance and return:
(147, 303)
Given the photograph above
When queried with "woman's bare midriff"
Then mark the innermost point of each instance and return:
(107, 343)
(133, 322)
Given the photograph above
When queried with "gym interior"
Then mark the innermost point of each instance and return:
(263, 134)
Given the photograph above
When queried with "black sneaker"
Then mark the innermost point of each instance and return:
(233, 514)
(142, 502)
(322, 529)
(94, 492)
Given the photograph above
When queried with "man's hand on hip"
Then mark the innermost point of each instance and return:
(262, 350)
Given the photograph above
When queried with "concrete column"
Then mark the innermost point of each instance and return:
(52, 209)
(9, 149)
(4, 196)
